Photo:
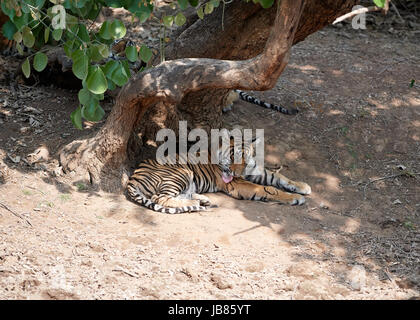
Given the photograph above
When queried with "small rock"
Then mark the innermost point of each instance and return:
(39, 155)
(357, 277)
(220, 283)
(322, 205)
(31, 109)
(14, 159)
(398, 201)
(24, 129)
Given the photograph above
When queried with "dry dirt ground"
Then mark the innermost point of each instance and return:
(356, 141)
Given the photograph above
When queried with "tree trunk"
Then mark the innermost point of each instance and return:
(194, 88)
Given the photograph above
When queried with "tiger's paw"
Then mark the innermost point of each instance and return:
(303, 188)
(298, 200)
(204, 201)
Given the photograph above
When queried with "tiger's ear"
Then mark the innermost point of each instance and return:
(255, 141)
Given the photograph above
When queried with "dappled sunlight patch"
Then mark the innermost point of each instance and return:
(314, 214)
(304, 68)
(351, 226)
(336, 112)
(293, 155)
(318, 82)
(337, 73)
(301, 238)
(397, 103)
(331, 182)
(339, 251)
(377, 104)
(271, 158)
(414, 101)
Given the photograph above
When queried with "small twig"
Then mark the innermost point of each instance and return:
(15, 213)
(396, 10)
(126, 272)
(405, 173)
(361, 11)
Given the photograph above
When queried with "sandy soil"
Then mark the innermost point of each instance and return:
(355, 238)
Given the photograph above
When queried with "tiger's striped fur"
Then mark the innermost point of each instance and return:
(239, 94)
(178, 188)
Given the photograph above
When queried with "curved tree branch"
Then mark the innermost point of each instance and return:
(171, 80)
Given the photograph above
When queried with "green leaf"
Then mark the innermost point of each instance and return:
(266, 3)
(80, 64)
(28, 37)
(118, 29)
(76, 118)
(9, 29)
(46, 34)
(131, 53)
(215, 3)
(119, 76)
(168, 21)
(88, 110)
(26, 68)
(96, 81)
(111, 85)
(97, 114)
(126, 68)
(57, 33)
(183, 4)
(109, 68)
(68, 47)
(180, 19)
(105, 31)
(40, 61)
(208, 8)
(83, 33)
(145, 53)
(379, 3)
(84, 96)
(143, 16)
(19, 49)
(103, 50)
(412, 82)
(200, 13)
(94, 54)
(71, 21)
(18, 37)
(193, 3)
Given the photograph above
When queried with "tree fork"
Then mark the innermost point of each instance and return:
(104, 156)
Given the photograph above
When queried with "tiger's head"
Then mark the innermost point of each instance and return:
(233, 162)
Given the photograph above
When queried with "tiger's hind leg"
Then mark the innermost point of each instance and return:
(245, 190)
(290, 185)
(275, 179)
(170, 201)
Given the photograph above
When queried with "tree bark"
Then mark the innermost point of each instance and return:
(163, 90)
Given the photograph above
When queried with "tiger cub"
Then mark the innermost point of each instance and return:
(239, 94)
(178, 188)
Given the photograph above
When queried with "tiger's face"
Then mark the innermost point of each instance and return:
(234, 161)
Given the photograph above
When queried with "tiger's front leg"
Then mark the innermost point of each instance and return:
(270, 178)
(246, 190)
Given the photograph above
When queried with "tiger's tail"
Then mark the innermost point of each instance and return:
(137, 196)
(248, 98)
